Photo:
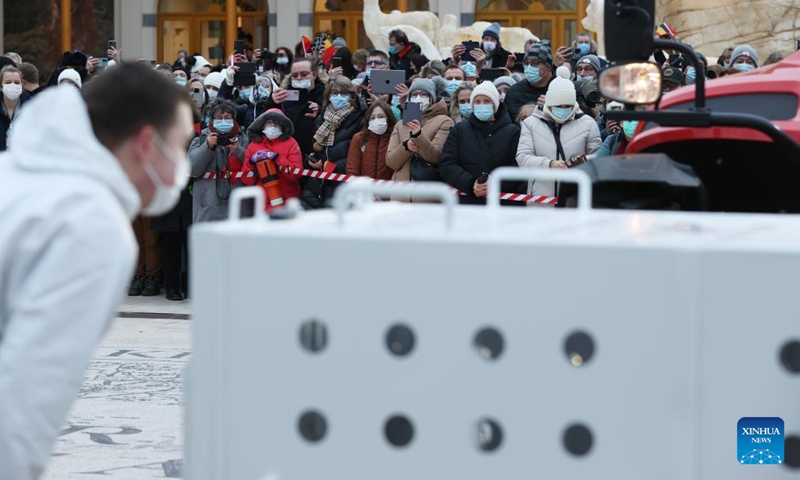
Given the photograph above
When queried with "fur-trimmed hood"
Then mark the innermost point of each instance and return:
(254, 132)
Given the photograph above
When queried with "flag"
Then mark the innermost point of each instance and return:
(665, 31)
(306, 45)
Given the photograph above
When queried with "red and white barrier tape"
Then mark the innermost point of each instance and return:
(340, 177)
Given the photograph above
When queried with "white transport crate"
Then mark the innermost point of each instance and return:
(387, 343)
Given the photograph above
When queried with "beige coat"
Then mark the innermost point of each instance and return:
(537, 146)
(436, 125)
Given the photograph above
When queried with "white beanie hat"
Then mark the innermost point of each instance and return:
(214, 79)
(199, 62)
(71, 75)
(561, 90)
(487, 89)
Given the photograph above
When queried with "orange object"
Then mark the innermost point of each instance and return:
(268, 173)
(306, 45)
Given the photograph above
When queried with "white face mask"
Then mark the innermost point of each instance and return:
(490, 46)
(272, 132)
(424, 102)
(378, 126)
(212, 95)
(302, 84)
(166, 196)
(12, 91)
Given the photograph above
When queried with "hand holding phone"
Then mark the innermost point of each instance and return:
(292, 95)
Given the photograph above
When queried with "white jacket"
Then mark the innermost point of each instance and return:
(67, 252)
(537, 146)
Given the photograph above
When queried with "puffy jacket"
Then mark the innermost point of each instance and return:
(474, 147)
(289, 155)
(304, 127)
(210, 200)
(537, 145)
(611, 144)
(317, 193)
(436, 125)
(67, 253)
(369, 160)
(523, 93)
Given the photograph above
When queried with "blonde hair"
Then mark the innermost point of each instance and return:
(526, 111)
(10, 69)
(454, 111)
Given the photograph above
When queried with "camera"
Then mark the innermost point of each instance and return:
(224, 139)
(591, 93)
(268, 58)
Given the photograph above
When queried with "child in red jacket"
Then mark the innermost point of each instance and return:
(271, 141)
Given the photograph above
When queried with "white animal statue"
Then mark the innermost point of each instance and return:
(375, 19)
(594, 23)
(415, 35)
(513, 39)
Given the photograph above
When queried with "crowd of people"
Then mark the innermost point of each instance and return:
(527, 106)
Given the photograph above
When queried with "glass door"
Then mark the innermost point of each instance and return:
(212, 40)
(543, 26)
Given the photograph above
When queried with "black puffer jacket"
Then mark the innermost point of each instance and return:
(475, 147)
(317, 193)
(304, 127)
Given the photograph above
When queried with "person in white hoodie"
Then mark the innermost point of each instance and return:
(82, 165)
(556, 134)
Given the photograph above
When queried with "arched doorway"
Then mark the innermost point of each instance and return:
(556, 20)
(345, 18)
(198, 26)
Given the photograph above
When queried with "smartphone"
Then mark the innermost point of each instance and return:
(470, 46)
(112, 44)
(198, 96)
(412, 111)
(520, 57)
(577, 52)
(293, 95)
(336, 62)
(103, 63)
(238, 47)
(491, 74)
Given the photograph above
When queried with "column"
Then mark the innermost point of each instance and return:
(294, 20)
(2, 27)
(148, 45)
(272, 22)
(131, 35)
(467, 17)
(66, 25)
(230, 25)
(448, 7)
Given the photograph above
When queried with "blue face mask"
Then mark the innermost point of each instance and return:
(367, 72)
(587, 78)
(392, 49)
(470, 70)
(339, 101)
(743, 67)
(561, 113)
(691, 75)
(629, 127)
(584, 48)
(483, 112)
(245, 94)
(453, 86)
(532, 74)
(465, 109)
(395, 101)
(223, 126)
(263, 93)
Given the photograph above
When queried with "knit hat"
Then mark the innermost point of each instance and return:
(199, 62)
(744, 51)
(673, 76)
(592, 60)
(339, 42)
(493, 31)
(505, 81)
(71, 75)
(214, 79)
(426, 86)
(489, 90)
(541, 51)
(561, 90)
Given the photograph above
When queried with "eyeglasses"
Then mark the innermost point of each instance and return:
(340, 94)
(224, 117)
(533, 63)
(301, 74)
(375, 63)
(584, 69)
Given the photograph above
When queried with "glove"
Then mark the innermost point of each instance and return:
(229, 73)
(263, 155)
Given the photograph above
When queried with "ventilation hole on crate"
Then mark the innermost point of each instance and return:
(578, 439)
(790, 356)
(400, 340)
(314, 336)
(490, 435)
(399, 431)
(489, 343)
(579, 348)
(312, 426)
(791, 451)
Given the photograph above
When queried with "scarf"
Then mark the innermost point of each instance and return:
(331, 121)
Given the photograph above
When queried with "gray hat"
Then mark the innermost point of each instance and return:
(426, 86)
(592, 60)
(339, 42)
(744, 51)
(504, 81)
(541, 51)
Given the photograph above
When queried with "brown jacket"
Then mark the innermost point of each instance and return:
(369, 160)
(436, 125)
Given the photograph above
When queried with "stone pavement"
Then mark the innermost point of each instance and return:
(127, 422)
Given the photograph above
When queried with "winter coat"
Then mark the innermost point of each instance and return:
(611, 144)
(67, 258)
(475, 147)
(289, 155)
(207, 203)
(499, 58)
(317, 193)
(402, 60)
(523, 93)
(369, 160)
(537, 145)
(436, 126)
(304, 127)
(5, 122)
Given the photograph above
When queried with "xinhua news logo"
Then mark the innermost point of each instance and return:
(760, 441)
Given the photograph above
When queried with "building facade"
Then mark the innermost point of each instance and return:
(157, 29)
